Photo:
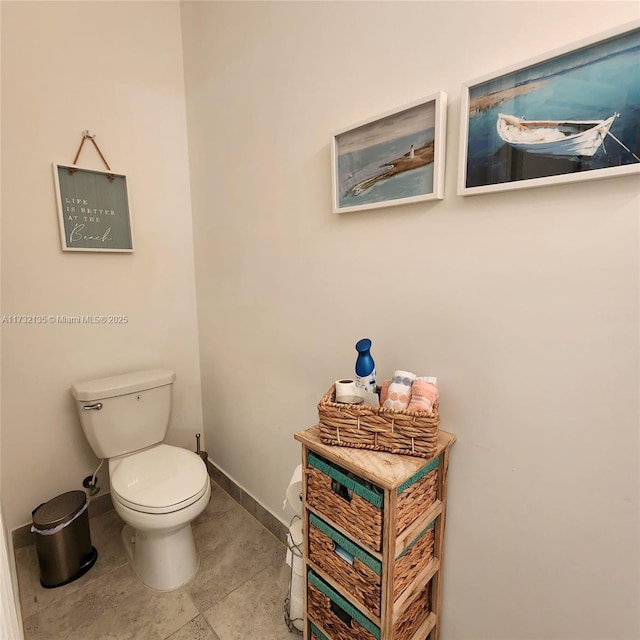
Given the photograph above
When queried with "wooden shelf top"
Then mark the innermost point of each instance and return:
(387, 470)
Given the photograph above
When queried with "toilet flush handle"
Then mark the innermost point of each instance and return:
(97, 406)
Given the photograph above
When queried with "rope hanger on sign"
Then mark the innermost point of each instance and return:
(87, 136)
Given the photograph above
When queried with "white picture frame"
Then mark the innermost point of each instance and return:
(571, 93)
(374, 164)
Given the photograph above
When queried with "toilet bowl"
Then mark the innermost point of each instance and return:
(157, 493)
(157, 489)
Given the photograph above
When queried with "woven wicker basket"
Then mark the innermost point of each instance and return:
(361, 579)
(415, 614)
(336, 615)
(417, 495)
(413, 433)
(358, 511)
(413, 560)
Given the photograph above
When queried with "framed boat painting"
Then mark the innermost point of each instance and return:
(395, 158)
(568, 116)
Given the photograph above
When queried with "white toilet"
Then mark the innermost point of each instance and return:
(157, 489)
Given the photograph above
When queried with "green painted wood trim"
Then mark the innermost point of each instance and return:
(418, 476)
(317, 632)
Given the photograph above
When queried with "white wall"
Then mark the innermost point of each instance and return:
(114, 68)
(10, 612)
(524, 304)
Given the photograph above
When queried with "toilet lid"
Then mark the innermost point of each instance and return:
(161, 479)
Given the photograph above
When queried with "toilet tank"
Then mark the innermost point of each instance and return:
(121, 414)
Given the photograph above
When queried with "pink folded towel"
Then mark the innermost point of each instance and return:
(384, 391)
(424, 394)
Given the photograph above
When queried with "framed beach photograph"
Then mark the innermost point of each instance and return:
(567, 116)
(395, 158)
(93, 210)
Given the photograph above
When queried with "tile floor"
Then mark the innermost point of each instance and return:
(237, 594)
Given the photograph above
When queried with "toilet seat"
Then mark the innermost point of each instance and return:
(162, 479)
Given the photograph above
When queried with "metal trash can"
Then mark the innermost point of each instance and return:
(63, 539)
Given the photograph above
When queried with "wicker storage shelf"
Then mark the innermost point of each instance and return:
(413, 433)
(373, 527)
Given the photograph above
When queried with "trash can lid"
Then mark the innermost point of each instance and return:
(59, 509)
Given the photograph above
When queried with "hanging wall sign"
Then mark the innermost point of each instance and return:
(93, 207)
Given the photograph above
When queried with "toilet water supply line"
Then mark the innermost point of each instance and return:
(92, 485)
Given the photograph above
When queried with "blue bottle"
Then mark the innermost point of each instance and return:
(365, 366)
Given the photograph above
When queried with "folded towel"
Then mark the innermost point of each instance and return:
(424, 394)
(399, 390)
